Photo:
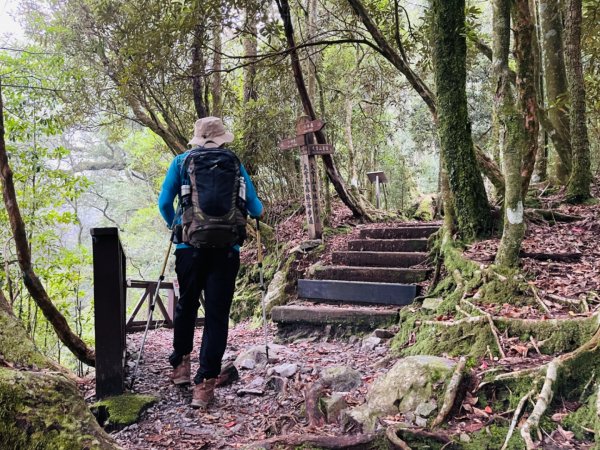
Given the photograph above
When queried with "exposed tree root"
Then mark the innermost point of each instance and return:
(451, 392)
(392, 434)
(516, 415)
(490, 320)
(544, 399)
(551, 216)
(312, 394)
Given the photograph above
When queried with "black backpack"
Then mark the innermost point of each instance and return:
(214, 204)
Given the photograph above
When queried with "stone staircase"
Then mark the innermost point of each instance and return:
(377, 269)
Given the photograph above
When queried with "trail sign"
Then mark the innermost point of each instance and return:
(305, 129)
(317, 149)
(309, 127)
(286, 144)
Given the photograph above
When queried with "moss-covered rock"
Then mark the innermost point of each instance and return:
(42, 410)
(409, 385)
(122, 410)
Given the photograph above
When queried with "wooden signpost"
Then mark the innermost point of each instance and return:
(305, 129)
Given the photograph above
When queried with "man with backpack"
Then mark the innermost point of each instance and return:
(215, 194)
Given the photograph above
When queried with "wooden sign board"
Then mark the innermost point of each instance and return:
(303, 127)
(317, 149)
(286, 144)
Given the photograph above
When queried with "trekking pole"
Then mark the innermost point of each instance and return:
(262, 286)
(152, 305)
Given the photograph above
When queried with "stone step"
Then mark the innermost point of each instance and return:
(388, 245)
(398, 233)
(378, 259)
(356, 317)
(357, 292)
(373, 274)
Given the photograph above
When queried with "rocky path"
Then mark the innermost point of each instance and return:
(238, 419)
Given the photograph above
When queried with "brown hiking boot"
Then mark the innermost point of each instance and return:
(204, 393)
(181, 373)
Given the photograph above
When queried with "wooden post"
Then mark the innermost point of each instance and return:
(305, 139)
(377, 193)
(310, 182)
(109, 311)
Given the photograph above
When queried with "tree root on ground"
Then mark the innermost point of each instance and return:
(312, 394)
(516, 415)
(451, 392)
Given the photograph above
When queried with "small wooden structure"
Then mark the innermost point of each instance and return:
(149, 287)
(378, 178)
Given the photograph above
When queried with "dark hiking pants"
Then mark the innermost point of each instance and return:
(212, 270)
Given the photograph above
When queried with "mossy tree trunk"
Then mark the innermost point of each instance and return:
(525, 52)
(556, 85)
(449, 55)
(578, 189)
(511, 132)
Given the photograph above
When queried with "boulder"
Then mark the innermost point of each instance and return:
(413, 386)
(341, 378)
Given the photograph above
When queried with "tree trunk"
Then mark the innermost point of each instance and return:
(345, 195)
(197, 69)
(250, 52)
(217, 107)
(578, 189)
(556, 85)
(511, 139)
(31, 280)
(449, 56)
(541, 158)
(525, 55)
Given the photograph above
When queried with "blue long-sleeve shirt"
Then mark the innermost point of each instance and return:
(172, 184)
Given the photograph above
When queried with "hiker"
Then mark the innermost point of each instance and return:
(215, 193)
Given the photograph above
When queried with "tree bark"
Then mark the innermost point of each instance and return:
(32, 282)
(345, 195)
(511, 139)
(578, 189)
(217, 106)
(525, 55)
(449, 56)
(556, 85)
(197, 69)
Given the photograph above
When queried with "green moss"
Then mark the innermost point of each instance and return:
(45, 411)
(583, 420)
(16, 346)
(557, 336)
(492, 438)
(425, 209)
(123, 410)
(467, 339)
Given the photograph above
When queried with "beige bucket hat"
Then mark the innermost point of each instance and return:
(210, 132)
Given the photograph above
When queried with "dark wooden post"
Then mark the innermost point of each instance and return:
(305, 129)
(109, 311)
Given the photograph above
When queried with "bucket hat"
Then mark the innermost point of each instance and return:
(210, 132)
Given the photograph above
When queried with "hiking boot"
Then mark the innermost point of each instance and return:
(204, 393)
(181, 373)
